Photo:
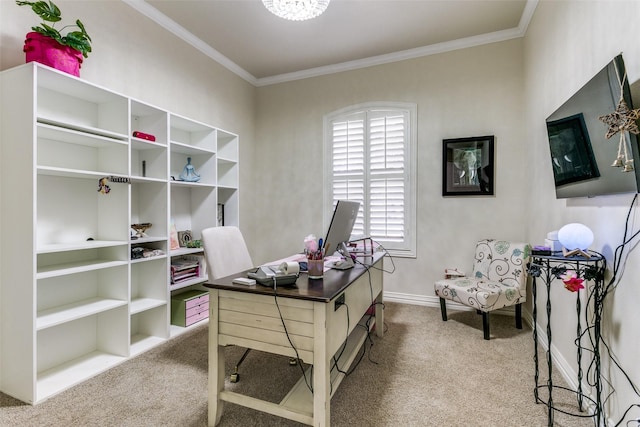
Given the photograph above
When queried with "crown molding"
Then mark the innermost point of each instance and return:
(498, 36)
(419, 52)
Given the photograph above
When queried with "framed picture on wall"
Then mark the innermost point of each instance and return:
(467, 166)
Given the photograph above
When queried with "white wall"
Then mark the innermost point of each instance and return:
(567, 43)
(470, 92)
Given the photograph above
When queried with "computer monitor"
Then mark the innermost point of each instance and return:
(341, 226)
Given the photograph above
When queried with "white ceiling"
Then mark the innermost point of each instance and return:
(264, 49)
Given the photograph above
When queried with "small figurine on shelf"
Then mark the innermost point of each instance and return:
(141, 229)
(103, 186)
(189, 172)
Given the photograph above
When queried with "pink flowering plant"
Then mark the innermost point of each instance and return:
(571, 281)
(310, 245)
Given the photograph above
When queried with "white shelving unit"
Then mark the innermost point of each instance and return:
(72, 301)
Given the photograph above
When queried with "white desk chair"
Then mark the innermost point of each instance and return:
(226, 251)
(226, 254)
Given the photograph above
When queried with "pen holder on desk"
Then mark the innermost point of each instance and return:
(315, 268)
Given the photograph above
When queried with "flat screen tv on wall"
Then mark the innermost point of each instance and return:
(585, 163)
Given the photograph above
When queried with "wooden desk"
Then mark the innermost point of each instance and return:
(317, 326)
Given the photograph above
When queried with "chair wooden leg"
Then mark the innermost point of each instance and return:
(485, 324)
(443, 309)
(519, 316)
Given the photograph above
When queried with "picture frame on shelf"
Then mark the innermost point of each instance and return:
(468, 166)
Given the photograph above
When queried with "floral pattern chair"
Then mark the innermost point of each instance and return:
(499, 279)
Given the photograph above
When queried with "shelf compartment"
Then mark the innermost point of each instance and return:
(149, 160)
(191, 133)
(74, 173)
(75, 351)
(138, 305)
(148, 240)
(76, 103)
(74, 311)
(71, 210)
(64, 263)
(71, 150)
(149, 204)
(186, 251)
(227, 174)
(149, 328)
(49, 271)
(187, 283)
(193, 208)
(229, 198)
(89, 130)
(81, 245)
(160, 245)
(66, 298)
(62, 377)
(49, 131)
(189, 150)
(150, 120)
(149, 284)
(227, 146)
(203, 163)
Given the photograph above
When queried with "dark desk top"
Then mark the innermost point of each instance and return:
(326, 289)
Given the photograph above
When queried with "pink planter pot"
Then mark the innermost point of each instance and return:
(48, 51)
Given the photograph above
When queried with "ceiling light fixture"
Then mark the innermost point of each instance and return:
(296, 10)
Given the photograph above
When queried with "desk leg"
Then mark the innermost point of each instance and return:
(321, 368)
(216, 363)
(379, 316)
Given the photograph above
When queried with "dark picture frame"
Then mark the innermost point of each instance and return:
(572, 155)
(468, 166)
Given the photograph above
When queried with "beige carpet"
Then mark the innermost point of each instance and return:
(424, 372)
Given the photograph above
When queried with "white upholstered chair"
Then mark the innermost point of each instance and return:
(226, 253)
(499, 279)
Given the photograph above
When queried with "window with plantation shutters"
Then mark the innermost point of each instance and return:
(370, 158)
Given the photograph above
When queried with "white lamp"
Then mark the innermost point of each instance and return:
(575, 239)
(296, 10)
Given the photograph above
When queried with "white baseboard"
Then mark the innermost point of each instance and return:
(433, 301)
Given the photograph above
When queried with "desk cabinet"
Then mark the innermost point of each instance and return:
(74, 302)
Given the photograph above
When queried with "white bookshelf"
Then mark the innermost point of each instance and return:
(73, 303)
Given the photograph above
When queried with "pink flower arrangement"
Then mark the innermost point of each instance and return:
(310, 244)
(571, 281)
